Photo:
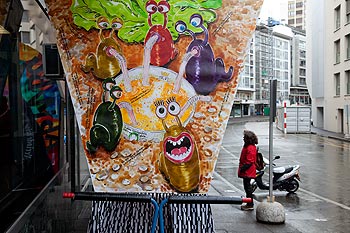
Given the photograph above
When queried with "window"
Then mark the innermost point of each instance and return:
(246, 70)
(300, 12)
(347, 46)
(278, 54)
(337, 84)
(299, 4)
(348, 11)
(25, 16)
(302, 72)
(302, 63)
(246, 82)
(337, 51)
(337, 17)
(278, 74)
(278, 64)
(299, 20)
(25, 37)
(347, 80)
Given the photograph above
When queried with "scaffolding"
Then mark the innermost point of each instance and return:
(264, 66)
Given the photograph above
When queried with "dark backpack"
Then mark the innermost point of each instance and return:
(259, 163)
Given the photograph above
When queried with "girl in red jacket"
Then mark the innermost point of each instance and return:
(247, 169)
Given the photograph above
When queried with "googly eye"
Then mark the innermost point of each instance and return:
(109, 86)
(161, 111)
(117, 94)
(180, 26)
(151, 7)
(103, 24)
(174, 108)
(196, 20)
(116, 25)
(163, 7)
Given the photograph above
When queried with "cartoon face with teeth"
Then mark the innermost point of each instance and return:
(178, 159)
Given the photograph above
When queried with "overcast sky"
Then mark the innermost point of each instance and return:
(277, 9)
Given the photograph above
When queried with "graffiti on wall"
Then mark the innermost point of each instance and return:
(43, 98)
(152, 84)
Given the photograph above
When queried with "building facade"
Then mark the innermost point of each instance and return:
(36, 28)
(297, 14)
(244, 100)
(329, 46)
(275, 52)
(299, 93)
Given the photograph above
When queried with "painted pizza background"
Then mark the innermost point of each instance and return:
(152, 84)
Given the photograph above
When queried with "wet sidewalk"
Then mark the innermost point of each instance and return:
(230, 218)
(314, 130)
(325, 133)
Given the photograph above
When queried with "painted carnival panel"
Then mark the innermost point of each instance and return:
(153, 84)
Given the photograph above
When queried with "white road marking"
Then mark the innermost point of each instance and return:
(325, 199)
(229, 152)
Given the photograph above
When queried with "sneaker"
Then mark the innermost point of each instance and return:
(247, 207)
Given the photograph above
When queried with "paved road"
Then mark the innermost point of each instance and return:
(322, 204)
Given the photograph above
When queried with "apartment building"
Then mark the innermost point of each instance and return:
(299, 93)
(297, 14)
(275, 52)
(244, 100)
(329, 46)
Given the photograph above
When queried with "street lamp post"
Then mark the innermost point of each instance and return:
(273, 90)
(271, 211)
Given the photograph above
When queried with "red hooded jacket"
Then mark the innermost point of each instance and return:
(248, 156)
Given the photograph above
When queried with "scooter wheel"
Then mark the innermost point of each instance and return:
(292, 186)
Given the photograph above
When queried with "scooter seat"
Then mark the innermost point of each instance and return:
(280, 170)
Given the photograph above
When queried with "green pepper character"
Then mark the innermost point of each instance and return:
(107, 122)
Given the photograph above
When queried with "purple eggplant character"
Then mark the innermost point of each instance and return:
(203, 71)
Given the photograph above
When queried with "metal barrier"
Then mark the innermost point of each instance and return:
(158, 208)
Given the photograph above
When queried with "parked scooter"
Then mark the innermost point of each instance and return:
(285, 178)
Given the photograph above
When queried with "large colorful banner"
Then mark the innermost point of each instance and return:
(152, 84)
(44, 100)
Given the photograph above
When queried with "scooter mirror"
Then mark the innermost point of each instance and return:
(277, 157)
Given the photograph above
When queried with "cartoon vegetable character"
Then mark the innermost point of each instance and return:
(101, 64)
(108, 121)
(178, 159)
(135, 16)
(202, 70)
(158, 38)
